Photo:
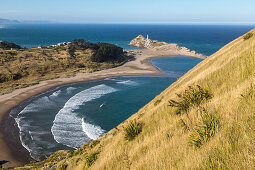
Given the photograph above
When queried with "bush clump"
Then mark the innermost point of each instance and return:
(7, 45)
(9, 77)
(90, 159)
(247, 36)
(81, 44)
(102, 52)
(210, 125)
(132, 130)
(193, 96)
(107, 52)
(63, 166)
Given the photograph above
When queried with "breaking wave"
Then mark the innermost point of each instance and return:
(70, 129)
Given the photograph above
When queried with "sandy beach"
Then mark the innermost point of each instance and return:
(139, 66)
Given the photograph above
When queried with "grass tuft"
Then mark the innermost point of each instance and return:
(63, 166)
(193, 96)
(209, 127)
(247, 36)
(91, 158)
(132, 130)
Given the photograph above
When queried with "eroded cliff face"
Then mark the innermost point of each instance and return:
(142, 42)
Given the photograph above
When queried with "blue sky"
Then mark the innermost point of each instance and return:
(131, 11)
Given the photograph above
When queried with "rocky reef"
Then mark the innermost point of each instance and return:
(142, 42)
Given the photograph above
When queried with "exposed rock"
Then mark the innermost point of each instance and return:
(142, 42)
(139, 41)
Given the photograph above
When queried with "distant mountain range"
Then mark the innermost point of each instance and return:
(7, 21)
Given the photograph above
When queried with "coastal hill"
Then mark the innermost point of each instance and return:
(21, 67)
(142, 42)
(7, 21)
(205, 120)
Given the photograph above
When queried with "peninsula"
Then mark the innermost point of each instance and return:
(142, 42)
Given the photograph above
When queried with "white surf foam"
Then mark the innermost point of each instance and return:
(109, 78)
(92, 131)
(29, 134)
(68, 128)
(18, 121)
(69, 90)
(128, 82)
(55, 94)
(31, 140)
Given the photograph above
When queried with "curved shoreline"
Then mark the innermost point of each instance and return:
(139, 66)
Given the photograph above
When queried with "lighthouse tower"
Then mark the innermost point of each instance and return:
(147, 42)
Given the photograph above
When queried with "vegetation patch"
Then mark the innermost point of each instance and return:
(209, 126)
(7, 45)
(158, 101)
(21, 67)
(93, 143)
(63, 166)
(90, 159)
(50, 161)
(193, 96)
(247, 36)
(133, 130)
(231, 151)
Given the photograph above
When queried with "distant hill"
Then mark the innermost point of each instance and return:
(7, 21)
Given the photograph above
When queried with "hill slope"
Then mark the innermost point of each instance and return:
(20, 68)
(165, 141)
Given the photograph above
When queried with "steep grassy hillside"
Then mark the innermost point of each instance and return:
(24, 67)
(208, 126)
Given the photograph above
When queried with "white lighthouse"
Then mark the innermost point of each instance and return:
(147, 37)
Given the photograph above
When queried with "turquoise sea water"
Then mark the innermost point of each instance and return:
(69, 116)
(72, 115)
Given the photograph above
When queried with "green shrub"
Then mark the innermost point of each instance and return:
(132, 130)
(107, 52)
(208, 128)
(81, 44)
(7, 45)
(63, 166)
(90, 159)
(51, 59)
(193, 96)
(93, 143)
(9, 77)
(247, 36)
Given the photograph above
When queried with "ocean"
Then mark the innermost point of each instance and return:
(205, 39)
(68, 116)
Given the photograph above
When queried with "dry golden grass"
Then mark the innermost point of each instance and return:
(35, 65)
(163, 143)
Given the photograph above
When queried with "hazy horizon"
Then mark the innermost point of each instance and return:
(131, 12)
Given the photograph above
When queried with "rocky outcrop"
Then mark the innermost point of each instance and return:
(142, 42)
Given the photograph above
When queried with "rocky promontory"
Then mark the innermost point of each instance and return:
(142, 42)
